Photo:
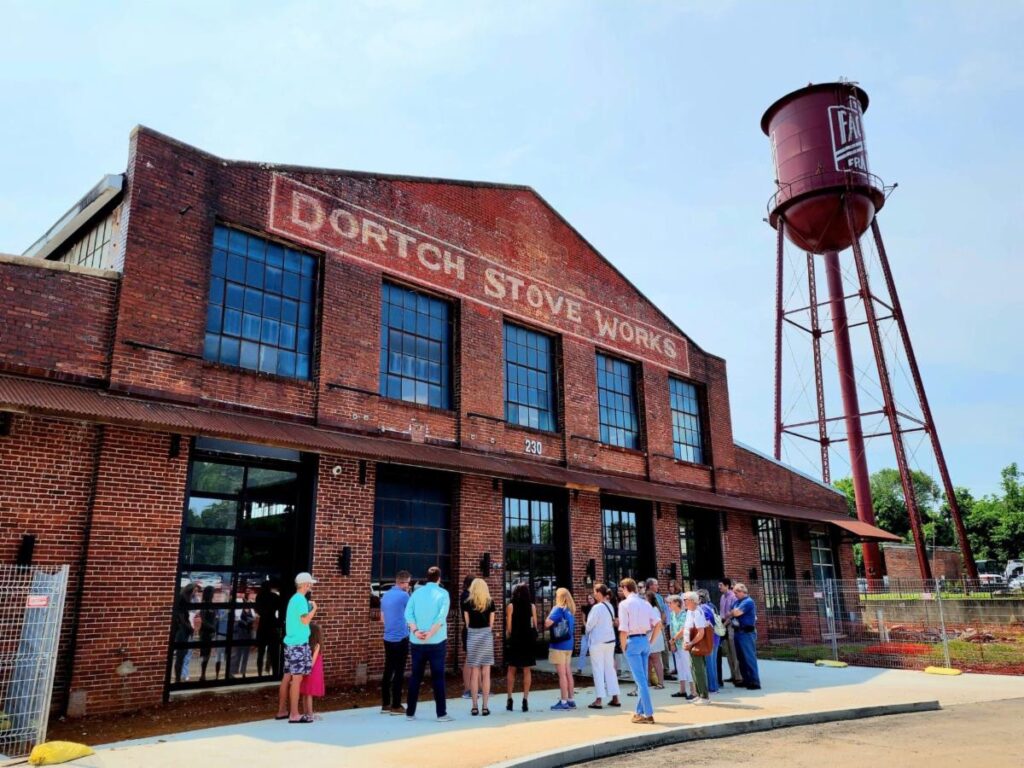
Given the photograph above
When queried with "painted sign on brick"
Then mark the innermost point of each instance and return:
(308, 215)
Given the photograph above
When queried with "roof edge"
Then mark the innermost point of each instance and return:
(788, 467)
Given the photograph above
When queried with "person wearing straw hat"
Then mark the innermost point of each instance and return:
(298, 660)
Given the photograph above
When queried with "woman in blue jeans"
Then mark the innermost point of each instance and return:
(638, 623)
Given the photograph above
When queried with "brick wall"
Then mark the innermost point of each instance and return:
(47, 469)
(130, 576)
(55, 319)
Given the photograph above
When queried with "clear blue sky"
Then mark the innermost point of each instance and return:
(638, 121)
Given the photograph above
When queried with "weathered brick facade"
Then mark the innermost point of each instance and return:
(495, 252)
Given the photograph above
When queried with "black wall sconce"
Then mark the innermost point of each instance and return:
(174, 448)
(485, 564)
(362, 472)
(591, 573)
(672, 570)
(5, 424)
(345, 561)
(752, 574)
(807, 575)
(25, 550)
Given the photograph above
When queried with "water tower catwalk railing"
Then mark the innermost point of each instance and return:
(826, 200)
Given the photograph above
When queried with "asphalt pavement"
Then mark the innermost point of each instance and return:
(988, 734)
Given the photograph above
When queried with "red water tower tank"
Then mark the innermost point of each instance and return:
(817, 139)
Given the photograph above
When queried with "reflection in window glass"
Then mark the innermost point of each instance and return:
(621, 547)
(686, 431)
(415, 347)
(411, 524)
(260, 311)
(209, 549)
(529, 378)
(616, 400)
(211, 513)
(211, 477)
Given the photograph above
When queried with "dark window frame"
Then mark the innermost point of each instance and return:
(618, 427)
(551, 410)
(263, 307)
(392, 383)
(691, 453)
(412, 478)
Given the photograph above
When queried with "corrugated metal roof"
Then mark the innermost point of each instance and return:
(48, 398)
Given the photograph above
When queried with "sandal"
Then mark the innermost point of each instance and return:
(474, 711)
(280, 717)
(614, 703)
(485, 712)
(595, 706)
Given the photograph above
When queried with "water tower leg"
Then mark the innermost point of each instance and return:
(890, 406)
(851, 411)
(926, 411)
(779, 316)
(819, 381)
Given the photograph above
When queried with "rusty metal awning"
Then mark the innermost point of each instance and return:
(66, 401)
(865, 532)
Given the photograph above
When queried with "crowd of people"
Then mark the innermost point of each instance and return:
(682, 636)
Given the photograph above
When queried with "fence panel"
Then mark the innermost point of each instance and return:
(31, 610)
(897, 625)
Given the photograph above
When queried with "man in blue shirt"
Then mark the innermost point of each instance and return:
(298, 660)
(744, 620)
(396, 644)
(427, 616)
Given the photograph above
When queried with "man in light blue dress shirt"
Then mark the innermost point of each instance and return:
(427, 616)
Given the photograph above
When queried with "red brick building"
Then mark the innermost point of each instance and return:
(220, 373)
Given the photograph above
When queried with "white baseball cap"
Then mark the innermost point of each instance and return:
(305, 578)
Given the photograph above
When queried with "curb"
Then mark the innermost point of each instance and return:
(597, 750)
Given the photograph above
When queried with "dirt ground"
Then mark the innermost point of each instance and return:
(207, 710)
(986, 734)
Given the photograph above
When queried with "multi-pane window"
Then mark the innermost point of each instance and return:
(529, 378)
(411, 524)
(822, 560)
(261, 307)
(93, 249)
(530, 548)
(415, 347)
(775, 567)
(616, 400)
(686, 432)
(621, 545)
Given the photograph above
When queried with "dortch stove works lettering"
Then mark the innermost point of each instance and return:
(307, 215)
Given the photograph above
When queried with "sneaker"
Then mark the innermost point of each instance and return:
(445, 719)
(649, 720)
(638, 718)
(571, 703)
(467, 695)
(398, 709)
(385, 710)
(560, 706)
(699, 701)
(410, 718)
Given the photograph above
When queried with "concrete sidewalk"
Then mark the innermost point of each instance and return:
(364, 737)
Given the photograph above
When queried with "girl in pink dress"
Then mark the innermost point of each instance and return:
(313, 683)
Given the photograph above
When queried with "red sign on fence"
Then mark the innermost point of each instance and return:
(37, 601)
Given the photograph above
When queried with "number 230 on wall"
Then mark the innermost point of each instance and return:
(534, 447)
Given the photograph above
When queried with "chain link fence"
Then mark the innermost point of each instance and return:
(906, 624)
(31, 610)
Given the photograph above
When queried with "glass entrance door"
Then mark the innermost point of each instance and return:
(245, 535)
(536, 550)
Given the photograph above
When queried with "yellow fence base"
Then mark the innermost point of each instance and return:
(943, 671)
(830, 663)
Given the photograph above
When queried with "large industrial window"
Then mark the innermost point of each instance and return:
(616, 400)
(687, 550)
(415, 347)
(686, 432)
(529, 378)
(260, 314)
(411, 524)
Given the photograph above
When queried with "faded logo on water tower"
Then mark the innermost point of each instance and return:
(848, 136)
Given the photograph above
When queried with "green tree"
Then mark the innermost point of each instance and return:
(995, 522)
(890, 507)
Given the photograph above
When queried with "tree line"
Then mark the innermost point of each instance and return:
(994, 522)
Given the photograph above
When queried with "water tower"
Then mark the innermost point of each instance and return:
(826, 200)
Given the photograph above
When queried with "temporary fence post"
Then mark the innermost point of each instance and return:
(830, 612)
(942, 625)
